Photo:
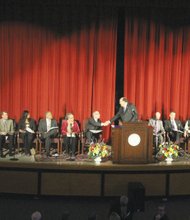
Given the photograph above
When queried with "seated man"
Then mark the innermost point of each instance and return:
(94, 127)
(187, 129)
(48, 130)
(187, 133)
(158, 130)
(174, 128)
(6, 131)
(70, 130)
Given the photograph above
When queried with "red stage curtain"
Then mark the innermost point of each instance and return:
(70, 71)
(157, 67)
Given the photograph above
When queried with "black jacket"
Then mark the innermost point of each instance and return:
(129, 115)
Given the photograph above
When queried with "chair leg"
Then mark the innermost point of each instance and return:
(58, 147)
(188, 146)
(78, 147)
(40, 148)
(36, 146)
(18, 146)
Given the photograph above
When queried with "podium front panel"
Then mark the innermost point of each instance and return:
(132, 143)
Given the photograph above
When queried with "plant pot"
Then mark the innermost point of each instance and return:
(169, 159)
(97, 160)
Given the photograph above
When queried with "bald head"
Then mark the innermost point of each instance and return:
(36, 216)
(96, 115)
(157, 115)
(49, 115)
(123, 101)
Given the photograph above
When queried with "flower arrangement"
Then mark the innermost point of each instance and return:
(168, 150)
(98, 150)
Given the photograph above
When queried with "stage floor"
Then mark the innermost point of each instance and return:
(83, 163)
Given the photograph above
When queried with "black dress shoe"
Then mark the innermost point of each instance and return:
(48, 155)
(73, 158)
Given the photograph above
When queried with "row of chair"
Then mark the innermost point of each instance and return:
(38, 143)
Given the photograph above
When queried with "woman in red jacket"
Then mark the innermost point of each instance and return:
(70, 130)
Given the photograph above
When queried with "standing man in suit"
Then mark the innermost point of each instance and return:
(174, 128)
(6, 131)
(48, 130)
(94, 124)
(127, 112)
(158, 130)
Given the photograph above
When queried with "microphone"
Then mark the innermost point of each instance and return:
(71, 127)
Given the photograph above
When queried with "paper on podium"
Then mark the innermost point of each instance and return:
(30, 130)
(95, 131)
(52, 128)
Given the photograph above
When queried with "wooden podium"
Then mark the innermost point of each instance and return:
(132, 143)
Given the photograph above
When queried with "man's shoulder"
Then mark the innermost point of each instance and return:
(42, 120)
(91, 119)
(151, 119)
(166, 121)
(10, 120)
(177, 120)
(131, 105)
(54, 121)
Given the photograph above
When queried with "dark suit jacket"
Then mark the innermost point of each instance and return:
(160, 127)
(42, 128)
(93, 125)
(22, 125)
(168, 125)
(130, 114)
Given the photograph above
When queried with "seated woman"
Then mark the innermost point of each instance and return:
(27, 128)
(70, 129)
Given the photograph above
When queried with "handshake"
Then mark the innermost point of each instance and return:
(106, 123)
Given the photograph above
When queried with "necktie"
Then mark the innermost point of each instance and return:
(156, 126)
(173, 125)
(5, 126)
(48, 125)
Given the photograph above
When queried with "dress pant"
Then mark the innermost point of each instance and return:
(70, 144)
(27, 140)
(47, 138)
(175, 136)
(91, 137)
(10, 144)
(159, 139)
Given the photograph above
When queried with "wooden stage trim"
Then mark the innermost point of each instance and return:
(91, 166)
(82, 178)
